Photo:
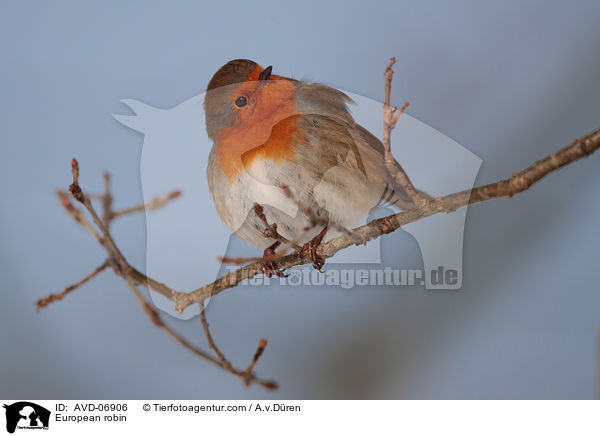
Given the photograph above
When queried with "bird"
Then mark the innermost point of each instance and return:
(274, 135)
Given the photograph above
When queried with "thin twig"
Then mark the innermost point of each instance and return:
(77, 215)
(390, 118)
(243, 259)
(43, 302)
(246, 375)
(119, 263)
(153, 204)
(211, 343)
(139, 278)
(259, 350)
(270, 230)
(106, 201)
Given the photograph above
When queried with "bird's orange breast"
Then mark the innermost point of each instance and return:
(268, 131)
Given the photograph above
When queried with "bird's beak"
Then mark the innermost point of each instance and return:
(265, 74)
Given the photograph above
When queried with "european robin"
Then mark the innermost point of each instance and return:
(270, 131)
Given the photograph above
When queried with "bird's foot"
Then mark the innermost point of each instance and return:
(269, 267)
(311, 246)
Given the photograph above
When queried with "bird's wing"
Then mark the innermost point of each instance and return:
(347, 161)
(400, 195)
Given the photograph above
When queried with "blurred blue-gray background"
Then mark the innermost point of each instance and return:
(512, 82)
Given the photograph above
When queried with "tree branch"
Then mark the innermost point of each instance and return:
(519, 182)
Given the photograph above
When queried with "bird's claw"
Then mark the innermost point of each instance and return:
(311, 246)
(268, 266)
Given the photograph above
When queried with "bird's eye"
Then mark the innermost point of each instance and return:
(241, 101)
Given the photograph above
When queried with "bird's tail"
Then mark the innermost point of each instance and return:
(396, 196)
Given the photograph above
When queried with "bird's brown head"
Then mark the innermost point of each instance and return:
(244, 98)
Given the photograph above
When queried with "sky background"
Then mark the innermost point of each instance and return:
(511, 82)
